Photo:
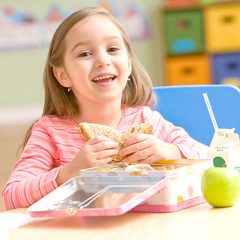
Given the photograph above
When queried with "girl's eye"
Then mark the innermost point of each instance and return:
(113, 49)
(85, 54)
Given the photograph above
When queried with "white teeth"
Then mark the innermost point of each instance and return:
(103, 77)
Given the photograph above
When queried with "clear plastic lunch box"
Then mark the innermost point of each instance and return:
(111, 190)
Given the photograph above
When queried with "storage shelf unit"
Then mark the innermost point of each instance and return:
(202, 42)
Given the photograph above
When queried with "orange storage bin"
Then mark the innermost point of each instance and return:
(222, 24)
(187, 70)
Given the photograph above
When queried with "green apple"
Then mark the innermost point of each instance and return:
(221, 186)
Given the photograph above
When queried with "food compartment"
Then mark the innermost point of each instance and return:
(183, 182)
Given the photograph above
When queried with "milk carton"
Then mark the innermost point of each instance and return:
(225, 148)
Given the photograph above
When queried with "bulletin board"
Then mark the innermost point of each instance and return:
(21, 29)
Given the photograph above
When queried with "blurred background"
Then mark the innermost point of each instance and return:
(179, 42)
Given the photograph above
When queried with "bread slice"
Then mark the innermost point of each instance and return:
(90, 130)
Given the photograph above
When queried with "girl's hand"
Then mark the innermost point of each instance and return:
(146, 148)
(96, 151)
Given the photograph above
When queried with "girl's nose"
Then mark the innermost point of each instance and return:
(102, 60)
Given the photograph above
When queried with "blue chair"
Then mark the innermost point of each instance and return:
(185, 107)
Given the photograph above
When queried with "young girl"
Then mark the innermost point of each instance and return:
(91, 75)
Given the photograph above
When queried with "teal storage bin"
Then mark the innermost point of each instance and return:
(184, 31)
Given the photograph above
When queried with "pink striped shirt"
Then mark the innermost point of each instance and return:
(54, 142)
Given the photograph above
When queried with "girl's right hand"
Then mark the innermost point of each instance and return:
(95, 152)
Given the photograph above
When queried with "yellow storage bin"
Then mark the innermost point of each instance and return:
(222, 24)
(187, 70)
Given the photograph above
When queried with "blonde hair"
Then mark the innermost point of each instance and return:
(59, 102)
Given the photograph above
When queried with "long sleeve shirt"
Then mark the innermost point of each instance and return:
(55, 141)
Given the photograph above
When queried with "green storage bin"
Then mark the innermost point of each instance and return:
(184, 31)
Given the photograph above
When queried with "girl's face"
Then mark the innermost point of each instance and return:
(96, 61)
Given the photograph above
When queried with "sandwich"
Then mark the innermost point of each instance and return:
(90, 130)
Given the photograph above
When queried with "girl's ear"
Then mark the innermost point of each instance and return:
(61, 77)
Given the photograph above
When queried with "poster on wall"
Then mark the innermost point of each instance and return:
(132, 16)
(21, 29)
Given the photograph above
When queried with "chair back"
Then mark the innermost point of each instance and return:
(184, 106)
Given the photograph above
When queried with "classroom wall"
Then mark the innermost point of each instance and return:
(21, 95)
(21, 70)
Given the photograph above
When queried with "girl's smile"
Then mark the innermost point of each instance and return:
(104, 79)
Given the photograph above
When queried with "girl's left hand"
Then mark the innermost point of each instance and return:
(146, 148)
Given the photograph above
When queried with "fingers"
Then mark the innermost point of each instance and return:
(106, 153)
(136, 144)
(136, 139)
(102, 143)
(143, 148)
(103, 161)
(139, 156)
(103, 149)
